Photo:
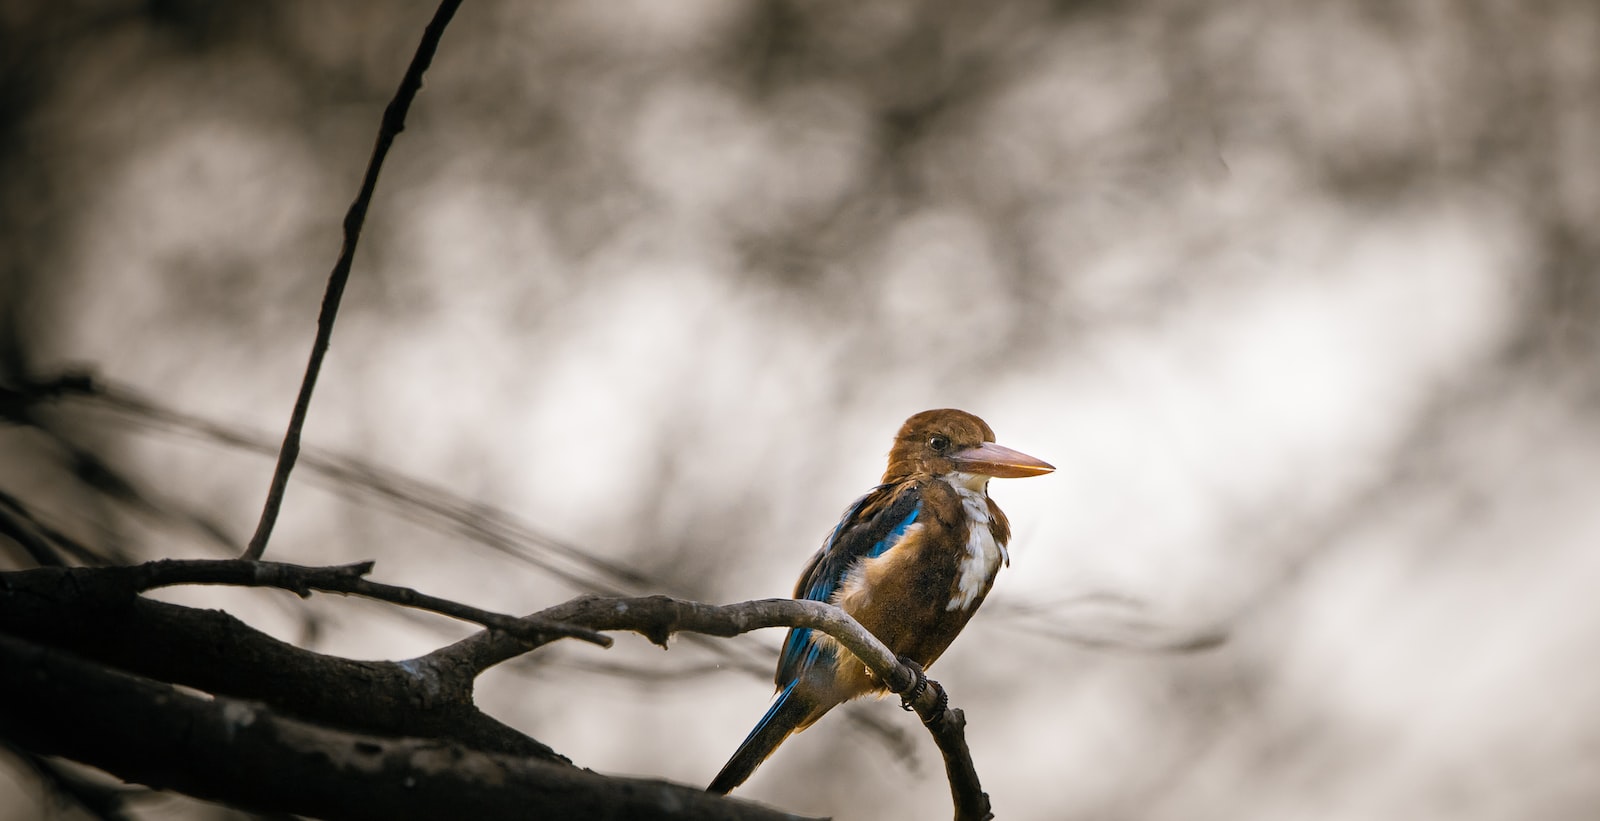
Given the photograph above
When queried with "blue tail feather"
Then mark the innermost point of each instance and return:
(786, 713)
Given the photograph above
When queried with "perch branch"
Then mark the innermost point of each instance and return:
(948, 727)
(394, 121)
(658, 617)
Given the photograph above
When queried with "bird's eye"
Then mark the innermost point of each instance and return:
(939, 442)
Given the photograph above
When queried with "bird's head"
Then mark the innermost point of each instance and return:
(956, 445)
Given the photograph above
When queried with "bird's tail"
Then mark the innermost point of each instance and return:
(786, 715)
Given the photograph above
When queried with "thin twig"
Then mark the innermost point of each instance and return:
(394, 121)
(18, 525)
(349, 579)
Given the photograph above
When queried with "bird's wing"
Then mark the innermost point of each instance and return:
(871, 526)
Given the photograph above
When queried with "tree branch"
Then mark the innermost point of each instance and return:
(658, 617)
(394, 121)
(95, 615)
(245, 754)
(98, 612)
(948, 726)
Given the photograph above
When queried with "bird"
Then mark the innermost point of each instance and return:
(911, 561)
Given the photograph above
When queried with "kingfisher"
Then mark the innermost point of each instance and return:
(911, 561)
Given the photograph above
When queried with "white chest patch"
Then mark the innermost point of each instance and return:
(984, 554)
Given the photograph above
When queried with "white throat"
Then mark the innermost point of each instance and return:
(975, 482)
(984, 553)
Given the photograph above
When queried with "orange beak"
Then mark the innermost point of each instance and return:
(1000, 462)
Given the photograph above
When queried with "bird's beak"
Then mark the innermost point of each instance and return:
(999, 461)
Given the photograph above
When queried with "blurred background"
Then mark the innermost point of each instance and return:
(1301, 299)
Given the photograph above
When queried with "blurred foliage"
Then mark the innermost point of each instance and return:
(1302, 297)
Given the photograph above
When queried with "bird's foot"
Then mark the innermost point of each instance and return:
(909, 697)
(941, 703)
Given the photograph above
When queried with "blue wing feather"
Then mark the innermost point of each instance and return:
(895, 535)
(870, 527)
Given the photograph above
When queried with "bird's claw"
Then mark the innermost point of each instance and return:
(940, 704)
(909, 697)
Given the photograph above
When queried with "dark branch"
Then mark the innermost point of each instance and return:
(247, 755)
(948, 727)
(18, 525)
(101, 617)
(394, 121)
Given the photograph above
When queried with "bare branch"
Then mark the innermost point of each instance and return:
(247, 755)
(658, 617)
(948, 726)
(394, 121)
